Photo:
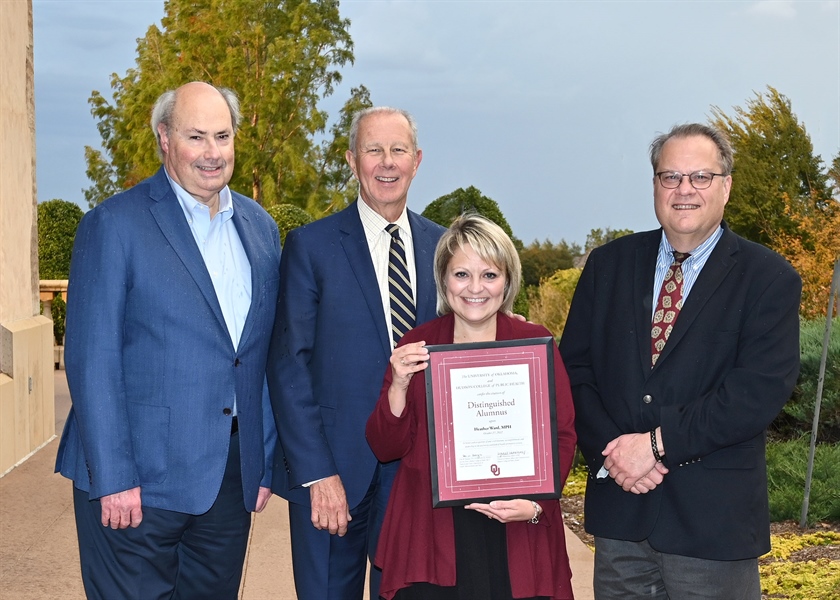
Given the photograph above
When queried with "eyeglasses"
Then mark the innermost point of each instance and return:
(699, 180)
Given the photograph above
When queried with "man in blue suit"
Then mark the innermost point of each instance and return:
(329, 352)
(169, 443)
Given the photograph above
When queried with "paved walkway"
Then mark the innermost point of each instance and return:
(39, 559)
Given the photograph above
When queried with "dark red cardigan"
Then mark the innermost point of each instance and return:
(417, 542)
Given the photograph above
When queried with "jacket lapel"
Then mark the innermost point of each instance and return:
(718, 265)
(356, 249)
(170, 218)
(644, 271)
(424, 253)
(255, 253)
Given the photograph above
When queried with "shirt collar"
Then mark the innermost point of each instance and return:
(375, 224)
(666, 250)
(190, 205)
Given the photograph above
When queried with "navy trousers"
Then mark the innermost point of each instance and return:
(170, 555)
(329, 567)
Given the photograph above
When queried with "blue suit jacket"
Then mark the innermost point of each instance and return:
(330, 349)
(149, 360)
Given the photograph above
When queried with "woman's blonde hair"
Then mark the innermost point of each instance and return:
(492, 245)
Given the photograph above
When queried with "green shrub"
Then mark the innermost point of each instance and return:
(798, 414)
(550, 302)
(787, 463)
(57, 224)
(288, 216)
(59, 313)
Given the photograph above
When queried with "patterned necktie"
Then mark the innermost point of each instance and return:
(667, 307)
(399, 287)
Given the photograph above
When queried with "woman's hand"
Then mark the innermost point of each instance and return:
(507, 511)
(405, 362)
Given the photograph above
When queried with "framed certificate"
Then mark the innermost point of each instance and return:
(492, 421)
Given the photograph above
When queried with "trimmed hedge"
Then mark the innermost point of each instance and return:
(288, 216)
(57, 224)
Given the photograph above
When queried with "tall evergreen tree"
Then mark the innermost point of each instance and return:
(279, 57)
(774, 159)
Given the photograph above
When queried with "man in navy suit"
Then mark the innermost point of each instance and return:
(170, 440)
(330, 349)
(674, 391)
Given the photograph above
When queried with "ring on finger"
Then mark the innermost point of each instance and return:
(402, 361)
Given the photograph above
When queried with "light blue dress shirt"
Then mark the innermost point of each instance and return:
(691, 266)
(224, 256)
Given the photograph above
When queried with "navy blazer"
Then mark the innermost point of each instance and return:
(330, 350)
(729, 366)
(150, 364)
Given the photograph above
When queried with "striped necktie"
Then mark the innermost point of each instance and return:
(668, 306)
(399, 287)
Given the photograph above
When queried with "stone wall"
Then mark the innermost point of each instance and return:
(27, 413)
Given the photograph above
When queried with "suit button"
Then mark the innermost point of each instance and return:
(647, 398)
(226, 412)
(236, 363)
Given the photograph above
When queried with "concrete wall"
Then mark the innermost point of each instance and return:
(27, 418)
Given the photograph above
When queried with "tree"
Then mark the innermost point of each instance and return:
(288, 216)
(550, 304)
(335, 176)
(813, 256)
(57, 224)
(444, 210)
(279, 57)
(834, 174)
(541, 260)
(599, 237)
(774, 158)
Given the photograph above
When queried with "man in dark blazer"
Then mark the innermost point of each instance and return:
(330, 349)
(674, 435)
(170, 440)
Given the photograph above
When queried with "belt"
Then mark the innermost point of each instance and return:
(234, 426)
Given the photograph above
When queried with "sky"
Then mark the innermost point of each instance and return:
(547, 107)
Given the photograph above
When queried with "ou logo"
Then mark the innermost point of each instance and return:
(495, 470)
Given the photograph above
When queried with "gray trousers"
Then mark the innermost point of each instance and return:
(634, 570)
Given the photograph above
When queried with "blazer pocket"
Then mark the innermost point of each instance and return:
(150, 438)
(736, 457)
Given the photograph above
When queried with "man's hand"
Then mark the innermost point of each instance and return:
(122, 509)
(629, 458)
(262, 498)
(651, 480)
(329, 505)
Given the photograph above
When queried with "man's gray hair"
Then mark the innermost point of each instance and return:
(721, 140)
(375, 110)
(165, 106)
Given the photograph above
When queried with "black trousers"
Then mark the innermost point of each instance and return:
(170, 555)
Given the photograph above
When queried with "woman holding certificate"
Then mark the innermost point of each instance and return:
(502, 549)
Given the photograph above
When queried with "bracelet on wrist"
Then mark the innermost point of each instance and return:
(654, 446)
(537, 510)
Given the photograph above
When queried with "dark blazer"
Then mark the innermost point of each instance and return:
(150, 364)
(725, 373)
(330, 350)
